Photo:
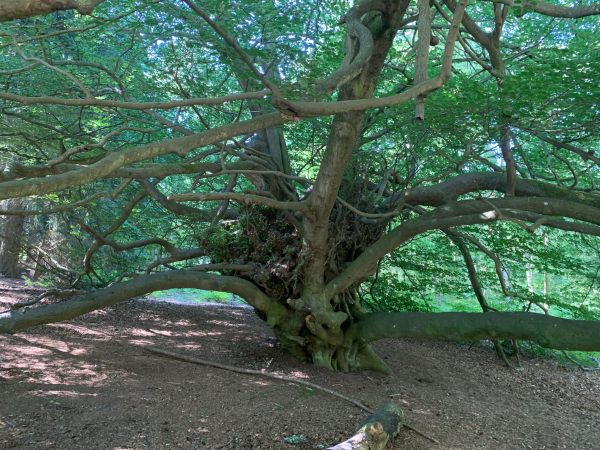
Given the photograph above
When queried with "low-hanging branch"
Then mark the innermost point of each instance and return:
(547, 331)
(13, 321)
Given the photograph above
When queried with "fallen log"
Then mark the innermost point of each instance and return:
(376, 430)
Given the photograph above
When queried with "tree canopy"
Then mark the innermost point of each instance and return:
(333, 164)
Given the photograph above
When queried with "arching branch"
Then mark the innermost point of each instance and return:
(13, 321)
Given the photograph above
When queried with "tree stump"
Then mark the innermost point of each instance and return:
(376, 430)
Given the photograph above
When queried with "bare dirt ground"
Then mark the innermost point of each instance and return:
(91, 384)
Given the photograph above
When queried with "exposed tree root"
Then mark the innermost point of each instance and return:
(275, 376)
(420, 433)
(204, 362)
(581, 366)
(504, 357)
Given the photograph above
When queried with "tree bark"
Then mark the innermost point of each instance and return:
(11, 235)
(20, 9)
(13, 321)
(547, 331)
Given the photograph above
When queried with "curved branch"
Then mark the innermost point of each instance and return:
(366, 264)
(471, 269)
(352, 65)
(114, 161)
(13, 321)
(465, 212)
(586, 155)
(451, 189)
(309, 109)
(20, 9)
(549, 9)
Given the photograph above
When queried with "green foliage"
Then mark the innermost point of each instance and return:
(159, 51)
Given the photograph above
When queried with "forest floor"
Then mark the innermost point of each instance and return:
(91, 384)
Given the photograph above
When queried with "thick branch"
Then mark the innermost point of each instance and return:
(19, 9)
(366, 264)
(541, 205)
(449, 190)
(549, 9)
(12, 321)
(321, 109)
(547, 331)
(453, 214)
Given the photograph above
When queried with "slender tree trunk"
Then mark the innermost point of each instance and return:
(11, 236)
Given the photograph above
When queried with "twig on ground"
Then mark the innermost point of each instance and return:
(205, 362)
(226, 444)
(275, 376)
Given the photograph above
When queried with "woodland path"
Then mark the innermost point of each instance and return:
(89, 384)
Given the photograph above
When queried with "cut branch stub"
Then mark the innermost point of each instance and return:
(376, 430)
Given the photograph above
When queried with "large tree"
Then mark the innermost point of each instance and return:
(281, 150)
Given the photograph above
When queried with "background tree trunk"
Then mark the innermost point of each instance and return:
(11, 235)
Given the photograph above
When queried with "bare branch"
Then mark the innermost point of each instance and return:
(245, 199)
(101, 103)
(233, 43)
(113, 161)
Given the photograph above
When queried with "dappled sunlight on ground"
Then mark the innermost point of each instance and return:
(140, 342)
(52, 344)
(297, 374)
(81, 330)
(40, 365)
(68, 394)
(91, 384)
(226, 323)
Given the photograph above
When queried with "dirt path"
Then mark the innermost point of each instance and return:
(89, 384)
